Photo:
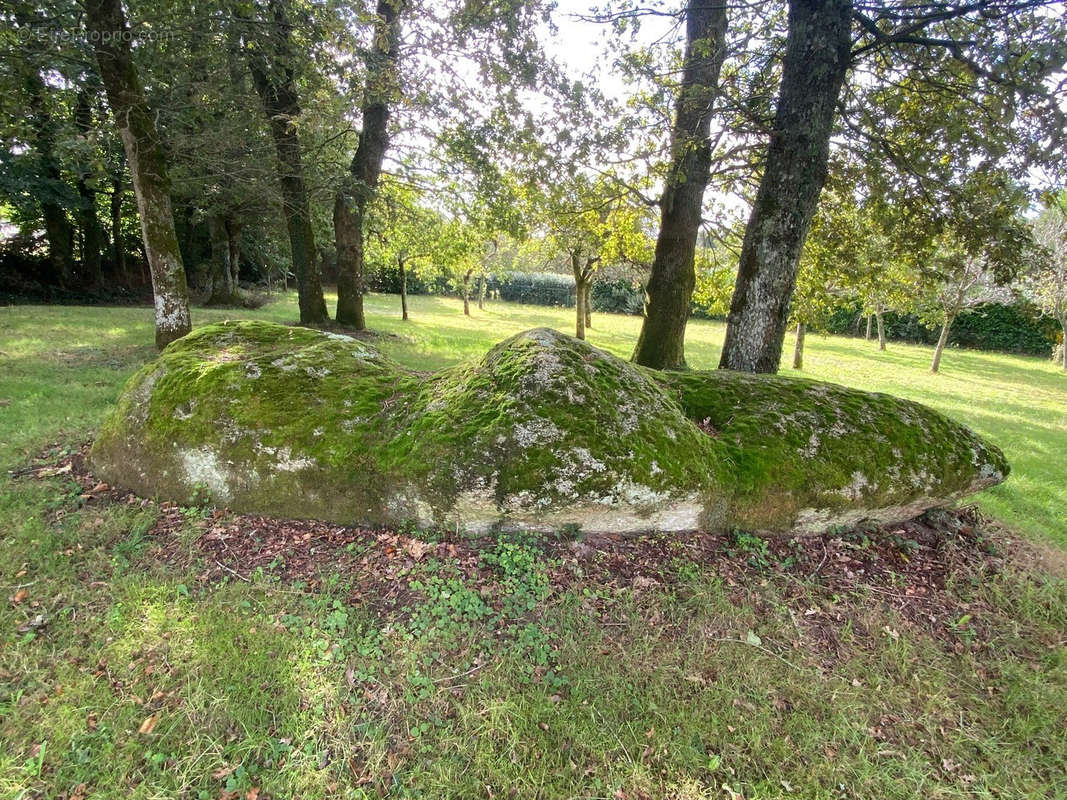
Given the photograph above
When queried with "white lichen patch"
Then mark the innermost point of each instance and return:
(534, 432)
(203, 468)
(283, 460)
(856, 486)
(284, 364)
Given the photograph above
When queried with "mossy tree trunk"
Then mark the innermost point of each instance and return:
(352, 200)
(942, 340)
(870, 323)
(88, 219)
(661, 343)
(817, 55)
(402, 264)
(148, 166)
(881, 327)
(798, 347)
(277, 93)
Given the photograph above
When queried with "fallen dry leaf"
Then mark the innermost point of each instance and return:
(416, 548)
(19, 597)
(149, 724)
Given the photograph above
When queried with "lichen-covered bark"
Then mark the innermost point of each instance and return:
(816, 59)
(350, 207)
(661, 344)
(544, 431)
(148, 166)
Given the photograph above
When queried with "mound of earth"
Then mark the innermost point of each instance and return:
(544, 432)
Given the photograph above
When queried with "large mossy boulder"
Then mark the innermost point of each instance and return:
(545, 431)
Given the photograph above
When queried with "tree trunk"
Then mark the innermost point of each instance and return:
(148, 167)
(870, 322)
(57, 228)
(579, 304)
(348, 238)
(481, 292)
(1063, 327)
(118, 248)
(583, 278)
(352, 200)
(233, 237)
(881, 328)
(92, 232)
(818, 45)
(403, 289)
(223, 292)
(282, 107)
(942, 340)
(467, 292)
(670, 288)
(798, 348)
(589, 304)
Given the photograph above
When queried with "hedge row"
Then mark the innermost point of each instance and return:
(1016, 328)
(1010, 329)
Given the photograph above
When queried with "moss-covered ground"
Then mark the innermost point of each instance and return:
(124, 674)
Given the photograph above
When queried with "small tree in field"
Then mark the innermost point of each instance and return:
(405, 234)
(592, 223)
(1046, 284)
(962, 281)
(982, 245)
(834, 260)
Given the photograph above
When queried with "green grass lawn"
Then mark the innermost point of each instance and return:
(135, 663)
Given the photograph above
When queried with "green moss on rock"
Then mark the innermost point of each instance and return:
(545, 430)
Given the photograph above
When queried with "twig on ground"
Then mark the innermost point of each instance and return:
(235, 574)
(759, 647)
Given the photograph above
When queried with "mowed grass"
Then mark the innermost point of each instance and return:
(1019, 403)
(126, 675)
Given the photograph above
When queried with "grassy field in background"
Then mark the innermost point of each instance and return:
(135, 664)
(1020, 403)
